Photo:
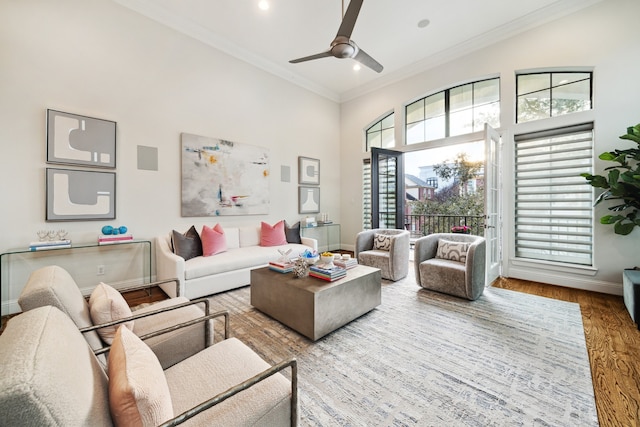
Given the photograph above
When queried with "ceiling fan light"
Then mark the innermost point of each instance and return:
(343, 50)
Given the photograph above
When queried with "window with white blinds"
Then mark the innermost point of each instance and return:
(553, 203)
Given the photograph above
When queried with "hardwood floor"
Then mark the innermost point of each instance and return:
(613, 344)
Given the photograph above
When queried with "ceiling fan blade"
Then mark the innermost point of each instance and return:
(311, 57)
(349, 19)
(364, 58)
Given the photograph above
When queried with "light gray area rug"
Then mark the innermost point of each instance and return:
(423, 358)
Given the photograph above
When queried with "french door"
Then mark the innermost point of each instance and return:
(387, 189)
(492, 202)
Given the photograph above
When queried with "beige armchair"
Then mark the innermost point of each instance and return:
(386, 249)
(451, 263)
(53, 285)
(52, 378)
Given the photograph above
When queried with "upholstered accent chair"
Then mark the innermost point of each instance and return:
(386, 249)
(51, 377)
(53, 285)
(451, 263)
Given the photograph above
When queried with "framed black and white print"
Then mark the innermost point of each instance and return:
(308, 171)
(79, 195)
(80, 140)
(308, 199)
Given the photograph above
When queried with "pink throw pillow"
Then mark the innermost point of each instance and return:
(272, 235)
(213, 240)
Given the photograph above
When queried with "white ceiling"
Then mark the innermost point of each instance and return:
(387, 30)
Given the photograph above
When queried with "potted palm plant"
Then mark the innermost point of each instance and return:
(622, 184)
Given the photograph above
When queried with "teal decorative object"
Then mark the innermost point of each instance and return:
(107, 229)
(122, 229)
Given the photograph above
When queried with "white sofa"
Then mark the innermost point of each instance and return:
(201, 276)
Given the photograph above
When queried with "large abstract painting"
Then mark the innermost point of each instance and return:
(223, 178)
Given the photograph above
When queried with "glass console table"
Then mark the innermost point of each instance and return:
(327, 235)
(119, 264)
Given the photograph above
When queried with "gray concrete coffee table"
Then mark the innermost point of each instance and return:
(312, 306)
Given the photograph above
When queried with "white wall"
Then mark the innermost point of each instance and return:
(98, 59)
(605, 37)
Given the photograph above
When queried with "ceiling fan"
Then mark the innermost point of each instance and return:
(342, 46)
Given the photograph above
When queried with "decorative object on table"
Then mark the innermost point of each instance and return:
(308, 199)
(79, 195)
(114, 238)
(346, 263)
(112, 235)
(284, 256)
(621, 184)
(300, 268)
(109, 230)
(80, 140)
(49, 244)
(324, 219)
(327, 273)
(461, 229)
(310, 257)
(309, 222)
(281, 267)
(62, 234)
(42, 235)
(222, 177)
(308, 171)
(326, 259)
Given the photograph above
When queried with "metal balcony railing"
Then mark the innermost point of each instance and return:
(421, 225)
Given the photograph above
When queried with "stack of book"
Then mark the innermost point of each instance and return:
(346, 263)
(108, 239)
(50, 244)
(281, 267)
(328, 274)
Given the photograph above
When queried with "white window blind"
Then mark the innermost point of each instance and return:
(553, 203)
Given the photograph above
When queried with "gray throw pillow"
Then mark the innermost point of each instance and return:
(292, 233)
(187, 245)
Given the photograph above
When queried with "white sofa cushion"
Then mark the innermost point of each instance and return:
(237, 259)
(249, 236)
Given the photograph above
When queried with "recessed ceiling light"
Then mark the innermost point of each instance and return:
(263, 5)
(356, 67)
(423, 23)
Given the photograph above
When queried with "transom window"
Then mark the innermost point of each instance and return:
(456, 111)
(544, 95)
(381, 134)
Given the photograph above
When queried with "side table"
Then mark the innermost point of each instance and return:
(631, 293)
(127, 263)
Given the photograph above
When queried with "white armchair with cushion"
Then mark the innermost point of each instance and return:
(52, 378)
(451, 263)
(386, 249)
(53, 285)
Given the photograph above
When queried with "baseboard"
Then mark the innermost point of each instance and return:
(568, 282)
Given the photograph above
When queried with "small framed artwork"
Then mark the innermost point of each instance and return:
(80, 140)
(308, 199)
(308, 171)
(78, 195)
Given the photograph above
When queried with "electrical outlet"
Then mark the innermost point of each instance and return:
(100, 270)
